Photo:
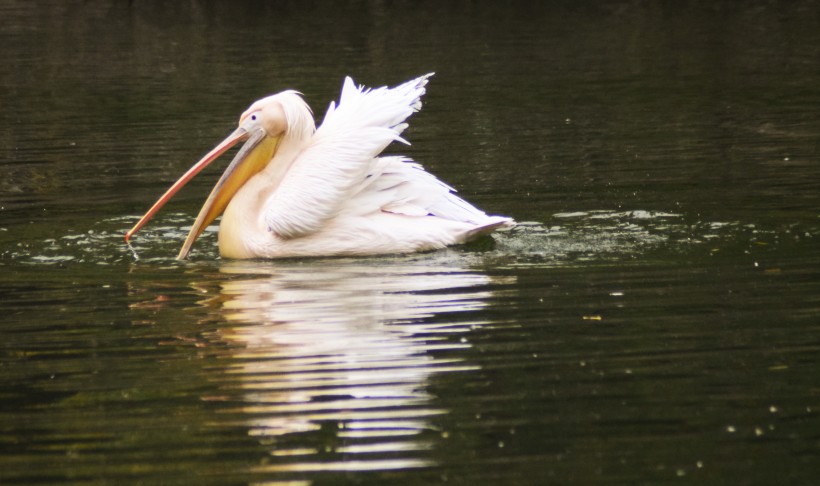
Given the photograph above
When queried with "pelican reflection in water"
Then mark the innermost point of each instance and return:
(350, 348)
(294, 190)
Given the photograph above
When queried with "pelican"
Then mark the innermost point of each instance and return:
(293, 190)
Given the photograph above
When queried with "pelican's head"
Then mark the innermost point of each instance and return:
(262, 127)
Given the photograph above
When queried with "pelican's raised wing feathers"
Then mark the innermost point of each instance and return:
(385, 107)
(341, 154)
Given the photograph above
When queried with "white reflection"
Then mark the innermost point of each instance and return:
(346, 346)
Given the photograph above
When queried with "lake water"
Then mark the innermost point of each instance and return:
(655, 317)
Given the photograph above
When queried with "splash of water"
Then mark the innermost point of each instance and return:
(569, 238)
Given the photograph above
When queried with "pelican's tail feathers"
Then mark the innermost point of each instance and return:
(398, 185)
(493, 223)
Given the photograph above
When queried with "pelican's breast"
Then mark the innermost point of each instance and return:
(242, 230)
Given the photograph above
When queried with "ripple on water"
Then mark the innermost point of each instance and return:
(104, 243)
(605, 236)
(571, 237)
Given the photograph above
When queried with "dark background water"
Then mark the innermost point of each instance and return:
(655, 317)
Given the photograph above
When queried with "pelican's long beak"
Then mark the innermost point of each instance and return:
(251, 158)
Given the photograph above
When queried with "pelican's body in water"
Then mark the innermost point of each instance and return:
(294, 190)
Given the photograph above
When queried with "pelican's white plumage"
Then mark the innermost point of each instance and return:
(327, 191)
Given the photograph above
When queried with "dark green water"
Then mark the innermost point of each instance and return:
(654, 319)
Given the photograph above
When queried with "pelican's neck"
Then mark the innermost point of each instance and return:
(242, 226)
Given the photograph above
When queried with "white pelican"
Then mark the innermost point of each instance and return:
(294, 190)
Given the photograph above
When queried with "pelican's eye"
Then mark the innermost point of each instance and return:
(252, 119)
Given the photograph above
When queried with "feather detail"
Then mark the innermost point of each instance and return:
(400, 186)
(340, 155)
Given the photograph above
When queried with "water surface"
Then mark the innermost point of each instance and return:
(654, 318)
